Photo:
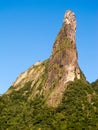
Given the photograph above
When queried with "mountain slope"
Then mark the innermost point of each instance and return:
(95, 85)
(50, 78)
(78, 110)
(54, 94)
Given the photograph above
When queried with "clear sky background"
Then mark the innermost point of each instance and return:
(28, 29)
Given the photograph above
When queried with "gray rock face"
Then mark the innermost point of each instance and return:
(70, 23)
(63, 66)
(50, 78)
(69, 18)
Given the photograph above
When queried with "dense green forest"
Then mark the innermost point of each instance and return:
(77, 111)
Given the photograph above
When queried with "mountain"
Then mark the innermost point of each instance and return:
(54, 94)
(50, 78)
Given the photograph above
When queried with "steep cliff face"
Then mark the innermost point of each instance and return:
(63, 63)
(54, 94)
(50, 78)
(64, 59)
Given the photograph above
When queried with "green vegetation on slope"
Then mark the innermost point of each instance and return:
(77, 111)
(95, 85)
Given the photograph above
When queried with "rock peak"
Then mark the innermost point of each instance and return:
(63, 63)
(69, 19)
(50, 79)
(69, 23)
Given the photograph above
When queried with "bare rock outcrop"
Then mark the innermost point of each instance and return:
(70, 23)
(50, 79)
(63, 66)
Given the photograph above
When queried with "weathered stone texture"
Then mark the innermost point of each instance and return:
(63, 66)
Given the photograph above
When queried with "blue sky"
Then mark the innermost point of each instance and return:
(28, 29)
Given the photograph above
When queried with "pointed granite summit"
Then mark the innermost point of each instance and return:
(64, 54)
(54, 94)
(63, 63)
(50, 78)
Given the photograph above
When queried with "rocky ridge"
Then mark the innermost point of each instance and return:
(63, 63)
(50, 78)
(54, 94)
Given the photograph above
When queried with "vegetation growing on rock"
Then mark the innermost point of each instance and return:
(54, 94)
